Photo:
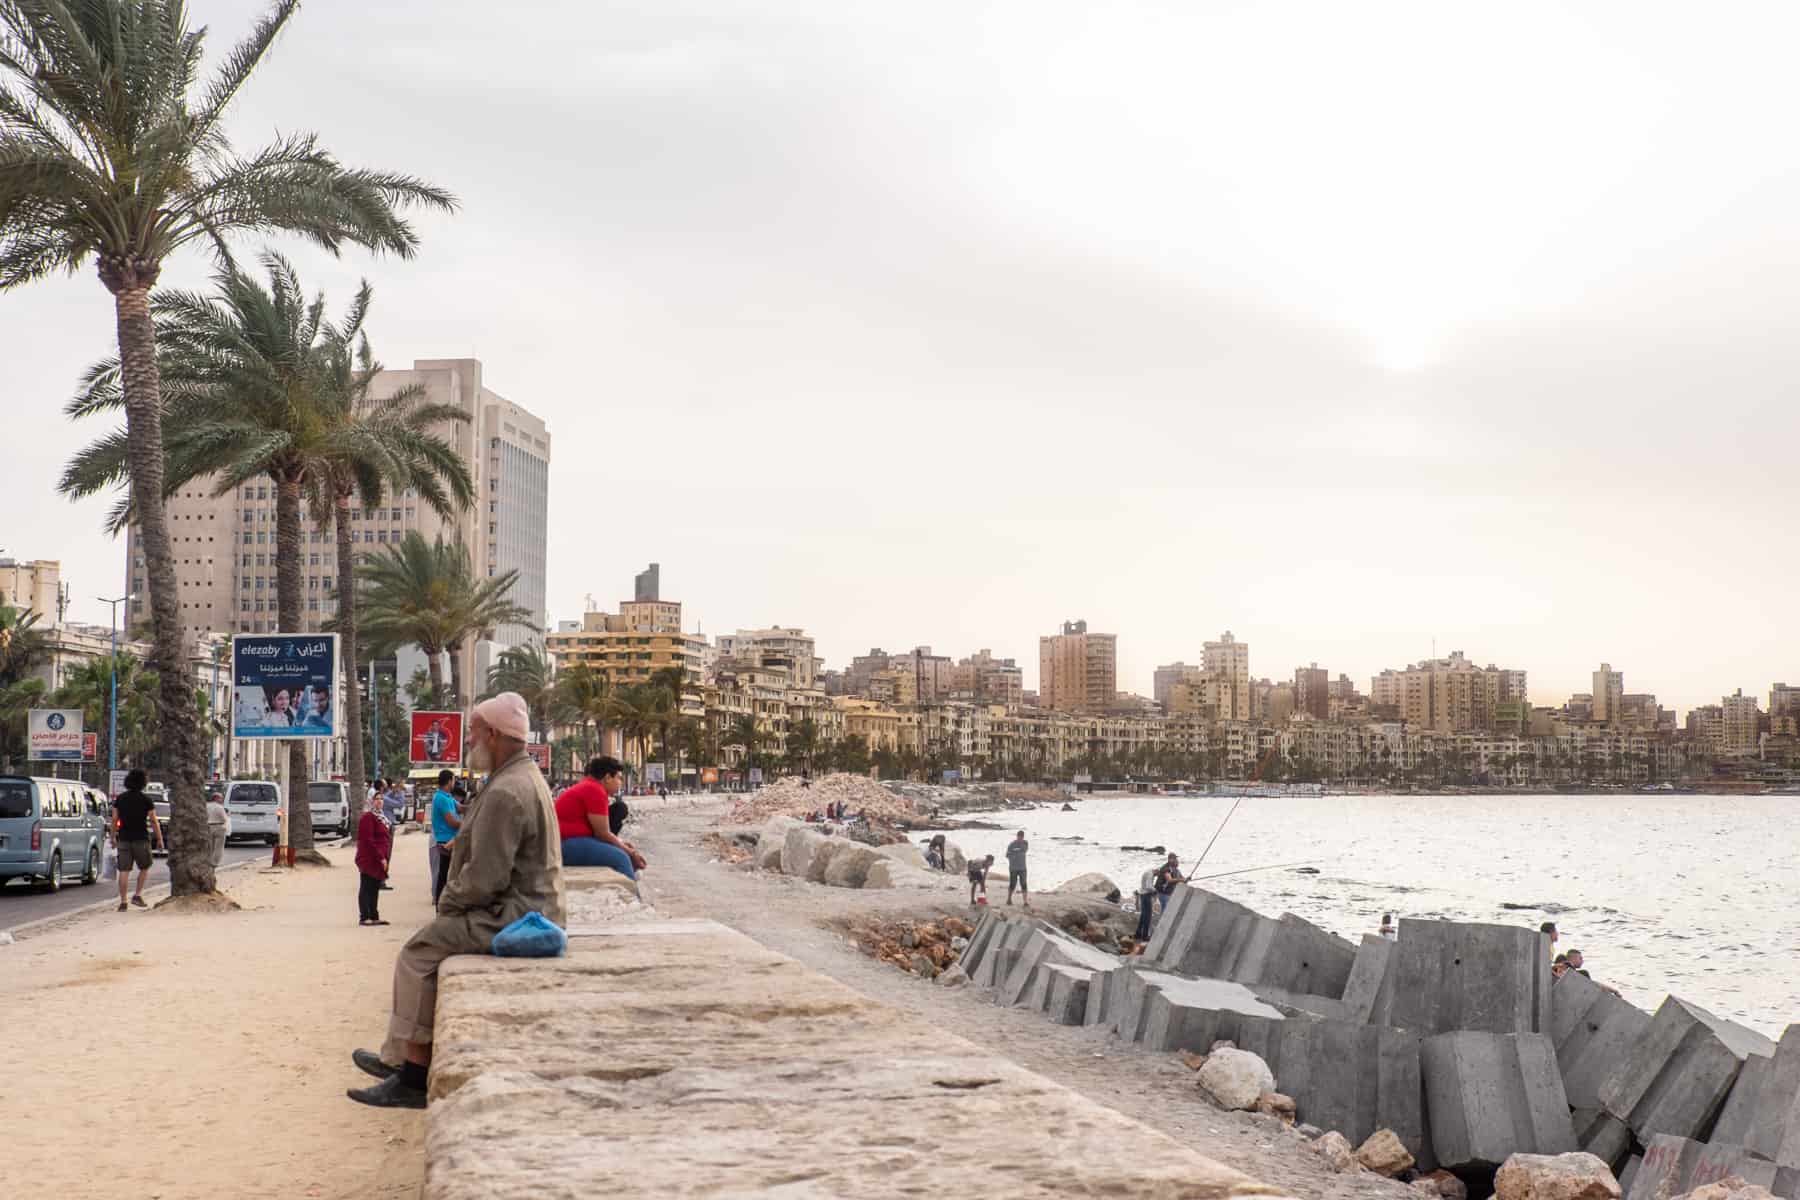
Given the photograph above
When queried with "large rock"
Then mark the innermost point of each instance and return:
(1595, 1034)
(955, 861)
(1489, 1096)
(1452, 976)
(1555, 1177)
(1334, 1148)
(1091, 884)
(1236, 1079)
(800, 845)
(887, 873)
(1383, 1154)
(1762, 1112)
(849, 867)
(771, 839)
(1734, 1187)
(903, 852)
(1680, 1071)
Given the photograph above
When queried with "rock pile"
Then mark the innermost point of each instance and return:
(823, 854)
(1451, 1040)
(922, 948)
(792, 797)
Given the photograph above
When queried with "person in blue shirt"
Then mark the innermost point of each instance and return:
(445, 821)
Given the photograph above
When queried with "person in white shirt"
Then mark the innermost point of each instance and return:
(218, 826)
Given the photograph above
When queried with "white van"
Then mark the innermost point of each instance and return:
(329, 802)
(255, 808)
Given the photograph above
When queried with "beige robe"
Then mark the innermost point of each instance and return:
(506, 861)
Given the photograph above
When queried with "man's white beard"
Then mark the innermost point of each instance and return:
(481, 756)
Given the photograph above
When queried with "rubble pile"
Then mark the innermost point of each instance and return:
(1450, 1049)
(922, 948)
(792, 797)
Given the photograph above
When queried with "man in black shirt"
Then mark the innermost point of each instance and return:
(134, 816)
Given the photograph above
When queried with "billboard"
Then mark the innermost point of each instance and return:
(655, 773)
(90, 747)
(55, 734)
(709, 775)
(436, 739)
(284, 685)
(540, 754)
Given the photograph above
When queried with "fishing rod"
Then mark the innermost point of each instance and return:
(1243, 870)
(1219, 830)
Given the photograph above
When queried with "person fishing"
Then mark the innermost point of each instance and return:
(1167, 876)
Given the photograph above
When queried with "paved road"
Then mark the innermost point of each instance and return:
(20, 903)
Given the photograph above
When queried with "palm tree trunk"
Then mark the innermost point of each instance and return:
(456, 692)
(434, 668)
(190, 858)
(288, 581)
(346, 619)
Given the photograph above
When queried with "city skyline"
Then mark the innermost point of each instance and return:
(1120, 359)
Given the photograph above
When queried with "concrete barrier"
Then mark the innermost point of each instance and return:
(1192, 1014)
(1595, 1033)
(1454, 976)
(1104, 990)
(1369, 989)
(1602, 1135)
(1347, 1076)
(1210, 937)
(1673, 1166)
(700, 1054)
(1680, 1071)
(1066, 993)
(1491, 1095)
(1762, 1113)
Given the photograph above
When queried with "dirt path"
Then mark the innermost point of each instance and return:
(791, 916)
(151, 1054)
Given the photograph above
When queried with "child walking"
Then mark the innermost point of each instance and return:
(374, 843)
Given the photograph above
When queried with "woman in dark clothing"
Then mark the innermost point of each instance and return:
(374, 841)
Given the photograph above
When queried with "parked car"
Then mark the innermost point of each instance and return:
(159, 800)
(255, 808)
(50, 831)
(330, 805)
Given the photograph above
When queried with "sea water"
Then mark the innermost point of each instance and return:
(1693, 895)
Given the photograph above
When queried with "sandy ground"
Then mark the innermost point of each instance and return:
(795, 918)
(206, 1055)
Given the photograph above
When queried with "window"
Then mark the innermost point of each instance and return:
(261, 582)
(312, 560)
(261, 537)
(246, 560)
(244, 604)
(381, 535)
(394, 514)
(259, 606)
(249, 514)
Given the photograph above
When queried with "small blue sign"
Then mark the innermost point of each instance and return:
(284, 685)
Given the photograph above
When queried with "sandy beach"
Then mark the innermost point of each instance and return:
(215, 1047)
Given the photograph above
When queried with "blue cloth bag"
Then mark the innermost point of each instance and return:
(531, 936)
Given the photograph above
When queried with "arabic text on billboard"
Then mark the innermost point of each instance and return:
(436, 738)
(55, 734)
(284, 685)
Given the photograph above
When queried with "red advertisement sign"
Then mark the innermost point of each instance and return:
(90, 747)
(540, 754)
(437, 739)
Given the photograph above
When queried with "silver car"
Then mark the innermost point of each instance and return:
(51, 830)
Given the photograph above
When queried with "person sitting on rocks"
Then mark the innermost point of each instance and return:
(1388, 930)
(934, 852)
(506, 862)
(584, 820)
(978, 869)
(1559, 966)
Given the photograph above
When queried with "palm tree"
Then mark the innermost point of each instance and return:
(405, 600)
(257, 383)
(586, 695)
(22, 647)
(743, 732)
(89, 687)
(526, 670)
(113, 151)
(377, 445)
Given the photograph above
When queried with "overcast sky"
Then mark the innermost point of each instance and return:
(1354, 329)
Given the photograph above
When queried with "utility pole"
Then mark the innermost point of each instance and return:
(112, 734)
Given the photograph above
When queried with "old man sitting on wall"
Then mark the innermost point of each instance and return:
(506, 862)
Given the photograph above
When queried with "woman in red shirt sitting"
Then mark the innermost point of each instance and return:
(582, 817)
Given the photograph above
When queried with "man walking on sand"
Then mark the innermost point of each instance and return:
(506, 861)
(134, 816)
(1015, 868)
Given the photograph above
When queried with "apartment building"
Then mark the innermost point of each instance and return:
(224, 545)
(1608, 695)
(1312, 691)
(985, 679)
(1078, 671)
(1447, 695)
(1226, 665)
(1170, 674)
(33, 586)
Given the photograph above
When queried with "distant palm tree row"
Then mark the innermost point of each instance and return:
(113, 151)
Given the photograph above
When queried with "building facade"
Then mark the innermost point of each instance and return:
(1078, 671)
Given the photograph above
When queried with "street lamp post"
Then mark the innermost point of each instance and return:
(112, 729)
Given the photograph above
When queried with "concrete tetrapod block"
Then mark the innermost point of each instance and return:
(1595, 1033)
(1763, 1110)
(700, 1054)
(1003, 950)
(1602, 1135)
(1192, 1014)
(1490, 1095)
(1048, 945)
(1370, 988)
(1452, 976)
(1674, 1166)
(1166, 922)
(985, 929)
(1347, 1076)
(1066, 993)
(1680, 1071)
(1208, 936)
(1103, 996)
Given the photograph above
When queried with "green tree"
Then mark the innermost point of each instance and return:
(525, 669)
(89, 687)
(22, 648)
(113, 150)
(584, 695)
(394, 755)
(258, 384)
(408, 599)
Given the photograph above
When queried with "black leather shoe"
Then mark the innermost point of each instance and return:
(371, 1062)
(389, 1093)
